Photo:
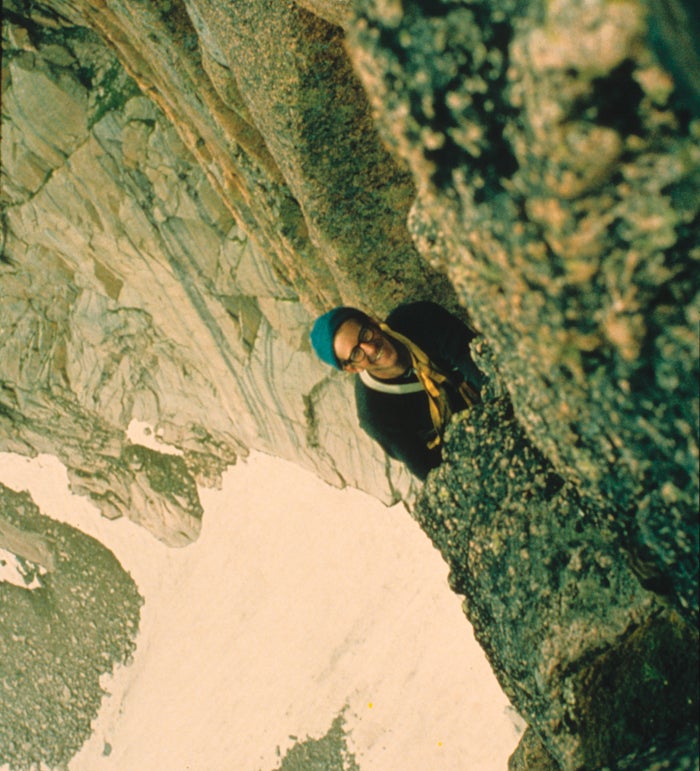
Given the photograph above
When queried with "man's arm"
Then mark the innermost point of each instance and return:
(394, 425)
(414, 454)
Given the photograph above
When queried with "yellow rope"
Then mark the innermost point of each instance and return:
(433, 382)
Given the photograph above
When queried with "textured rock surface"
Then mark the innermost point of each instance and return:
(558, 187)
(131, 293)
(591, 659)
(58, 638)
(329, 753)
(184, 184)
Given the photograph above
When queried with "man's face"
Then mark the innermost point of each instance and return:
(378, 356)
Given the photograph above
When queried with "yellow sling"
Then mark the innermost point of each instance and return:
(433, 382)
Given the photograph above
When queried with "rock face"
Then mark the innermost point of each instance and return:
(566, 216)
(132, 293)
(592, 660)
(185, 184)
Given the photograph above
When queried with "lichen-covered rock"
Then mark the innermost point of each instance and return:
(590, 658)
(79, 620)
(680, 754)
(531, 753)
(558, 177)
(664, 755)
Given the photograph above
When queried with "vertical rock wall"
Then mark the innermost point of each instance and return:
(131, 292)
(599, 666)
(558, 178)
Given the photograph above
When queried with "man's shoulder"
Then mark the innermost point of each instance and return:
(369, 403)
(418, 309)
(424, 320)
(381, 411)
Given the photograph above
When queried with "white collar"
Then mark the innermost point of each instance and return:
(389, 388)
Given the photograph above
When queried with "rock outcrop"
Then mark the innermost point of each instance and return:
(598, 665)
(78, 620)
(558, 188)
(186, 183)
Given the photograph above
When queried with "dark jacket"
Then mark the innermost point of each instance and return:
(401, 423)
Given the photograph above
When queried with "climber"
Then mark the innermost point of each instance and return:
(413, 372)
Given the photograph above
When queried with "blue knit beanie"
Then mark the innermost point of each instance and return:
(324, 329)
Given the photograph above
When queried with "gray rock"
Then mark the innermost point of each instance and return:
(141, 298)
(557, 177)
(596, 665)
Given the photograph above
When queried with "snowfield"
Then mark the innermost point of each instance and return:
(297, 602)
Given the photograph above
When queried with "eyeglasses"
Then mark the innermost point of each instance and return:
(368, 334)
